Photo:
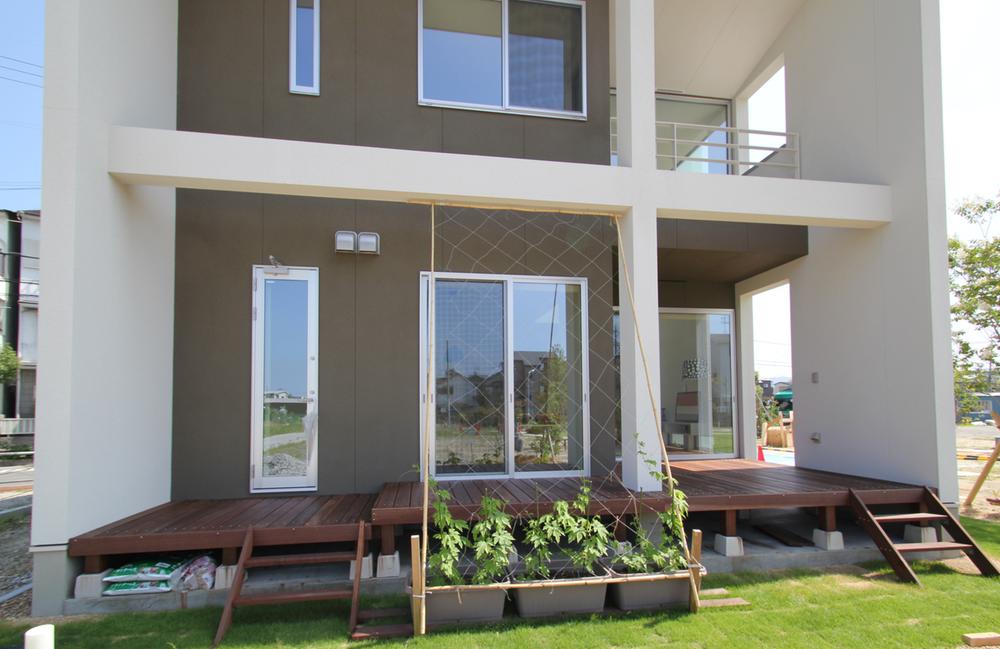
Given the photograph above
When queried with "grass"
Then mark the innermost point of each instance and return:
(295, 449)
(851, 607)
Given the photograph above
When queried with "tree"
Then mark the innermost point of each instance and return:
(975, 287)
(9, 364)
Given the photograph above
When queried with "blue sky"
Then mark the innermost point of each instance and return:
(21, 55)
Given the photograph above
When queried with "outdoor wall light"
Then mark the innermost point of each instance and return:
(345, 241)
(368, 243)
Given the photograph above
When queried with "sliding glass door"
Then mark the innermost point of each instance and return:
(697, 393)
(509, 367)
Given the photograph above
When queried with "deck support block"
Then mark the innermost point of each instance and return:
(918, 534)
(829, 540)
(388, 565)
(729, 546)
(366, 567)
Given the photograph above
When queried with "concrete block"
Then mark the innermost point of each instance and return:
(981, 639)
(224, 576)
(366, 567)
(828, 540)
(388, 565)
(729, 546)
(917, 534)
(90, 585)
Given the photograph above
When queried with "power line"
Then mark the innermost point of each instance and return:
(11, 58)
(26, 83)
(34, 74)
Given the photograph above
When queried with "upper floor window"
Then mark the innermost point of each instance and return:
(303, 49)
(525, 56)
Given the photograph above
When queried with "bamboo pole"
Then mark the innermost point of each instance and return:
(695, 603)
(420, 625)
(416, 593)
(983, 474)
(696, 581)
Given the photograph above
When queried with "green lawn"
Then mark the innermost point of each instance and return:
(848, 608)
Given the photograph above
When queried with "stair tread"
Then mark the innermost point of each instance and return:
(364, 632)
(285, 597)
(917, 517)
(930, 547)
(311, 558)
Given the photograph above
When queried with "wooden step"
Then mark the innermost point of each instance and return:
(881, 539)
(288, 598)
(365, 632)
(383, 613)
(308, 559)
(942, 546)
(916, 517)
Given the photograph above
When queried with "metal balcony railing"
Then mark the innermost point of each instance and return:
(704, 148)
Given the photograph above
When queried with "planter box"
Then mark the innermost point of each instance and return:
(457, 604)
(652, 590)
(543, 598)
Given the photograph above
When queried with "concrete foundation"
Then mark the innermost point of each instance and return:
(729, 546)
(91, 585)
(366, 567)
(918, 534)
(53, 576)
(388, 565)
(828, 540)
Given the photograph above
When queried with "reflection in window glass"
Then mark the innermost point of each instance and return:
(548, 377)
(470, 435)
(546, 56)
(463, 51)
(286, 343)
(696, 382)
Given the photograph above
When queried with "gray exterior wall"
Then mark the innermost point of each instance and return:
(368, 324)
(233, 78)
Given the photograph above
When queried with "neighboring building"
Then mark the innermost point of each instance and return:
(19, 401)
(198, 171)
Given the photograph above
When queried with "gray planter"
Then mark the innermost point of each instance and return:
(460, 604)
(540, 598)
(672, 591)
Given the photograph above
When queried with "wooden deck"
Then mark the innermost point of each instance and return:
(711, 485)
(720, 485)
(222, 524)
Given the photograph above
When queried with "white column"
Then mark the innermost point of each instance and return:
(639, 429)
(106, 325)
(636, 92)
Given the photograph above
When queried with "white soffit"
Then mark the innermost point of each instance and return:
(710, 47)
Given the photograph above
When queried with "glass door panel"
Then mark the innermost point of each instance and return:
(548, 369)
(285, 379)
(470, 378)
(696, 383)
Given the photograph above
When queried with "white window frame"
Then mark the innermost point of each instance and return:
(737, 423)
(258, 482)
(294, 87)
(506, 106)
(508, 282)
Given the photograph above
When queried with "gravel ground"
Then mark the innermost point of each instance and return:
(15, 561)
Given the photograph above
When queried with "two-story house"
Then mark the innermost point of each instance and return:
(259, 212)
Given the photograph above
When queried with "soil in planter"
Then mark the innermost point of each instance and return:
(465, 605)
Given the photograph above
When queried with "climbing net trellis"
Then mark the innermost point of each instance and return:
(471, 436)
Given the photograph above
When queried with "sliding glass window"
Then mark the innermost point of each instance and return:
(510, 374)
(284, 383)
(525, 56)
(303, 47)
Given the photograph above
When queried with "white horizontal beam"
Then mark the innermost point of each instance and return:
(190, 160)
